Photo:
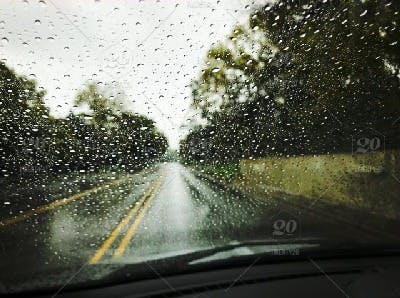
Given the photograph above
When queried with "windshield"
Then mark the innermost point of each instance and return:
(136, 131)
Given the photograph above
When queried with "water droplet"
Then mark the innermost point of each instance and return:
(216, 69)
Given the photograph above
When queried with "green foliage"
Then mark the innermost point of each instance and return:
(34, 142)
(102, 108)
(300, 78)
(225, 173)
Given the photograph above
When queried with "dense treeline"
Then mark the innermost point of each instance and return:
(301, 77)
(33, 141)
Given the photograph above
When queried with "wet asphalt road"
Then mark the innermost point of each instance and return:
(181, 213)
(161, 211)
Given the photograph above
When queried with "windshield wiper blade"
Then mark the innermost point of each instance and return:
(186, 263)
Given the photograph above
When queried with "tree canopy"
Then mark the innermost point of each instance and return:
(299, 77)
(33, 141)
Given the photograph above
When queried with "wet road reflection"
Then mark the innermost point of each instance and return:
(165, 210)
(187, 214)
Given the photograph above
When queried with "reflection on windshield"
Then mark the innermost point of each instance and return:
(143, 130)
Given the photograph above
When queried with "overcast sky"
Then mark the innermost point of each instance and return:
(149, 50)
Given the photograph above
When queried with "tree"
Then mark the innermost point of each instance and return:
(35, 143)
(113, 136)
(24, 123)
(301, 78)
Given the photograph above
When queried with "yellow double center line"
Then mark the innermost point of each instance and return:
(60, 202)
(142, 205)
